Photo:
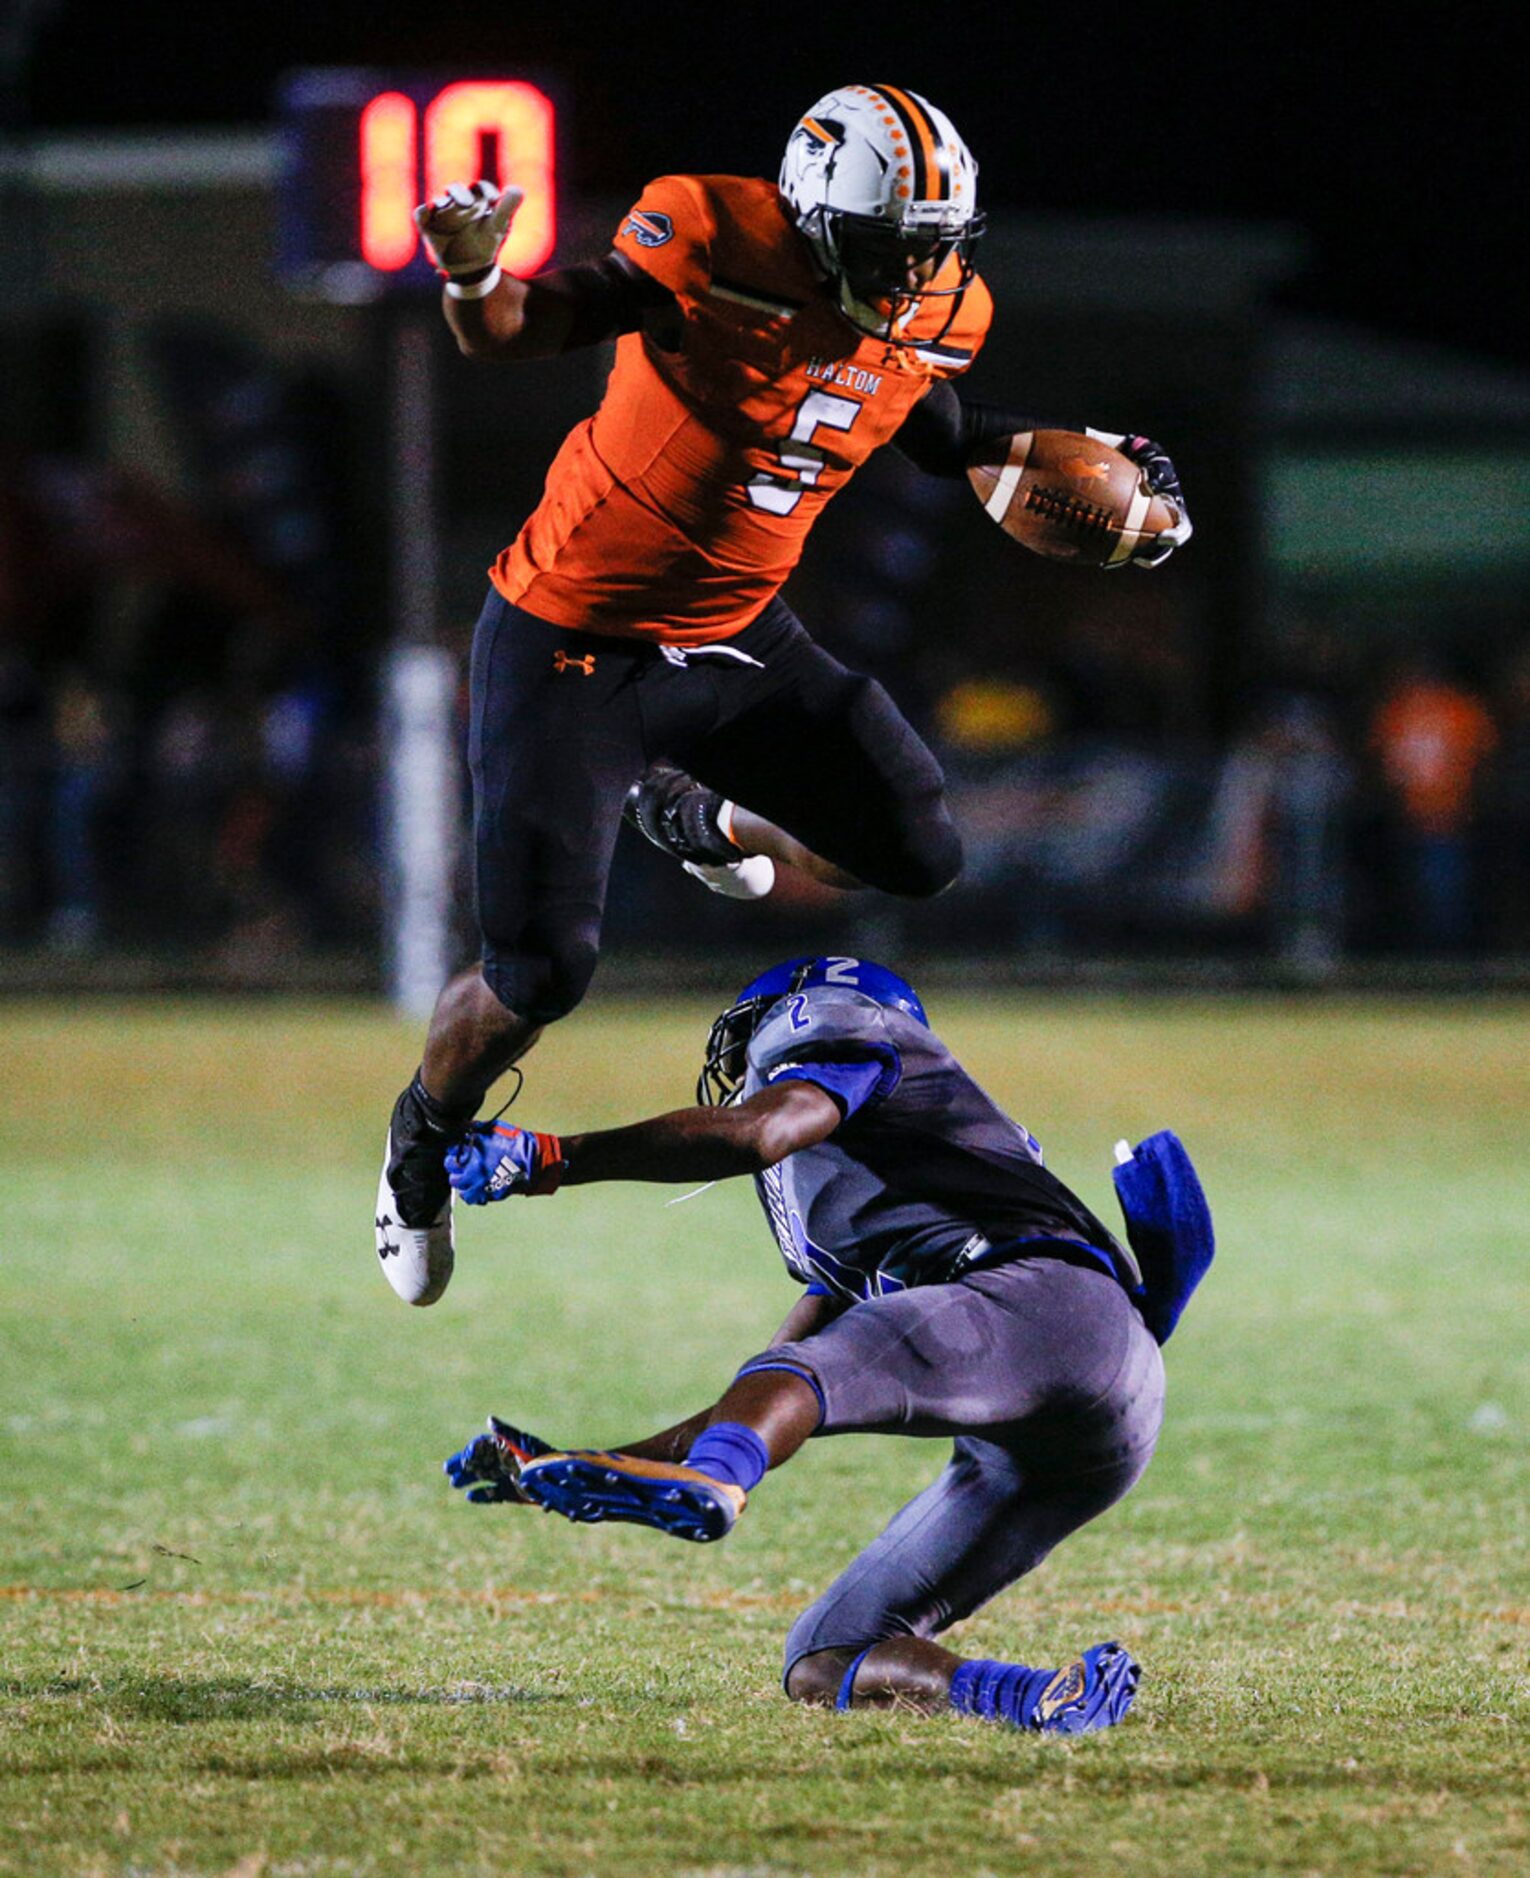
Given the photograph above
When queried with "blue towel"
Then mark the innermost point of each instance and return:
(1169, 1226)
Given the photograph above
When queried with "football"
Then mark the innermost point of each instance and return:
(1070, 497)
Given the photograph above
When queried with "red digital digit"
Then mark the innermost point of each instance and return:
(501, 128)
(462, 120)
(388, 186)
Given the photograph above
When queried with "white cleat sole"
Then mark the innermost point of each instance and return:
(749, 879)
(416, 1261)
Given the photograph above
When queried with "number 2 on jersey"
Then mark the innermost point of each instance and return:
(780, 490)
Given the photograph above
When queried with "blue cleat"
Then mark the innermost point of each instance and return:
(1093, 1691)
(590, 1486)
(489, 1467)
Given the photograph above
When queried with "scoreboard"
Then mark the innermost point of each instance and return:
(359, 149)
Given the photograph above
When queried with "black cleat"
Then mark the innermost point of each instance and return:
(413, 1220)
(416, 1168)
(680, 817)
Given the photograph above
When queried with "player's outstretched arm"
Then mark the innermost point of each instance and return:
(710, 1143)
(945, 431)
(495, 316)
(496, 1160)
(463, 229)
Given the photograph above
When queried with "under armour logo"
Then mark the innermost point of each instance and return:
(385, 1246)
(565, 661)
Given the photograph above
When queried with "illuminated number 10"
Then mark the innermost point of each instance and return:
(459, 121)
(780, 490)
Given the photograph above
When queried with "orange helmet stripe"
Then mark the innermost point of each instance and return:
(933, 183)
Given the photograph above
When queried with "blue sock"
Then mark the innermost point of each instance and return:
(999, 1691)
(730, 1452)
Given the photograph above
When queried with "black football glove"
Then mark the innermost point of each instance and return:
(1162, 478)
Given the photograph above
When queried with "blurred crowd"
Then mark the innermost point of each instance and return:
(184, 763)
(189, 762)
(1347, 785)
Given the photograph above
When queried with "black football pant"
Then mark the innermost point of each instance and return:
(562, 723)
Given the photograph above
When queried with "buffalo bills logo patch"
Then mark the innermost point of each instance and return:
(648, 228)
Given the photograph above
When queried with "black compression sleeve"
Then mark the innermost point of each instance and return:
(609, 296)
(944, 430)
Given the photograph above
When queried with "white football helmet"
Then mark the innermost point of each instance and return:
(881, 186)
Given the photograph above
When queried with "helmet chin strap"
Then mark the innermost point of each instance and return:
(889, 324)
(862, 314)
(895, 320)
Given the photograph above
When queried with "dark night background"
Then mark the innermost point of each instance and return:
(1395, 138)
(1209, 740)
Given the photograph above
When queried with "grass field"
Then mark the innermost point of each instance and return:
(245, 1627)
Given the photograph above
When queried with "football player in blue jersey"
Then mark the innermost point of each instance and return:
(953, 1287)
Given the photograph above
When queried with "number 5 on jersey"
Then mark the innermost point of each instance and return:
(778, 491)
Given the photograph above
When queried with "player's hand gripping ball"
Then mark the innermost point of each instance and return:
(465, 226)
(494, 1161)
(1074, 496)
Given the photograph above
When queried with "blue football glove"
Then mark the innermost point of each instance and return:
(494, 1160)
(489, 1467)
(1162, 478)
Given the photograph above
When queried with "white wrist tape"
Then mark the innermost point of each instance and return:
(477, 289)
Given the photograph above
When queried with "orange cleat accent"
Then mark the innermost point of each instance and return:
(593, 1485)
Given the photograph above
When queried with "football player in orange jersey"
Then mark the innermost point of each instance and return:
(770, 337)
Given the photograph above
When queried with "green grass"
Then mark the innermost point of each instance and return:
(244, 1626)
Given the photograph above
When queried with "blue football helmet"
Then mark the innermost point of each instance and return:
(722, 1072)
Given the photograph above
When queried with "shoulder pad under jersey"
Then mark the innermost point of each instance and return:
(826, 1023)
(668, 232)
(946, 343)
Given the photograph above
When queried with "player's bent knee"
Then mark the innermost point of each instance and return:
(816, 1679)
(904, 840)
(938, 861)
(540, 986)
(929, 860)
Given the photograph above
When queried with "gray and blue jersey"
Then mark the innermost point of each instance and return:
(1005, 1332)
(925, 1179)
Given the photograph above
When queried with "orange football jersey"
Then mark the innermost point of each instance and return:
(679, 508)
